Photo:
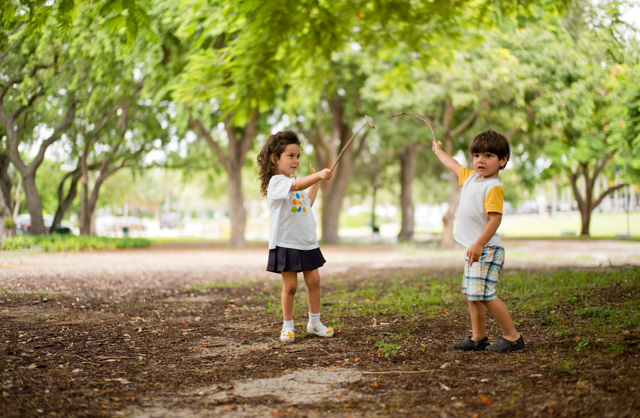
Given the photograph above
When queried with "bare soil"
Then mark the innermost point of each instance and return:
(120, 333)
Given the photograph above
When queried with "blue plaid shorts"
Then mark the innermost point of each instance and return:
(481, 278)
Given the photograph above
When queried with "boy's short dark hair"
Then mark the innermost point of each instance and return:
(491, 141)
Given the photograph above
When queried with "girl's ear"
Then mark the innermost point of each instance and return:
(274, 159)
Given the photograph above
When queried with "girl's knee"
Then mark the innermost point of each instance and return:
(291, 290)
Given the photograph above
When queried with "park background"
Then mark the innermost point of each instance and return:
(144, 118)
(117, 116)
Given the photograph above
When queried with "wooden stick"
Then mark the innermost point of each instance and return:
(419, 117)
(370, 123)
(400, 372)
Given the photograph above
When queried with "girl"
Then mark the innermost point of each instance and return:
(293, 245)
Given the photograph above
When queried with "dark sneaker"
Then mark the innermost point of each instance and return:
(503, 345)
(469, 345)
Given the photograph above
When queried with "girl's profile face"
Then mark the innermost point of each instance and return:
(289, 160)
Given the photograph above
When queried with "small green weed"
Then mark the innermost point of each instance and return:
(562, 368)
(386, 349)
(582, 344)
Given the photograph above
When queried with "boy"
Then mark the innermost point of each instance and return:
(479, 215)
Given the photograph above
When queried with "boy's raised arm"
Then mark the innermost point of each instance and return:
(448, 161)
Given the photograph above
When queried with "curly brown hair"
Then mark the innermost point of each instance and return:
(274, 146)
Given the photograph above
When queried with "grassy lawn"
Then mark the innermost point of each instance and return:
(590, 305)
(603, 225)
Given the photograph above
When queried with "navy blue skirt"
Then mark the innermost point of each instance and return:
(287, 259)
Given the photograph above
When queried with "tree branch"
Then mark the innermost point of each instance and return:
(606, 193)
(199, 129)
(249, 133)
(30, 102)
(60, 129)
(464, 124)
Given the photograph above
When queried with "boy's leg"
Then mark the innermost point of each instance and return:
(478, 314)
(312, 279)
(288, 297)
(501, 314)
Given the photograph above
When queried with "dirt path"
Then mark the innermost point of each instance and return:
(120, 334)
(117, 274)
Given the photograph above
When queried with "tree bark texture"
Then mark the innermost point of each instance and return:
(6, 200)
(587, 202)
(408, 157)
(232, 159)
(333, 191)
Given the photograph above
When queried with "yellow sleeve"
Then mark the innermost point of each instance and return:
(463, 174)
(493, 201)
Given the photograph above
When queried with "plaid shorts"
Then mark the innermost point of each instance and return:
(480, 279)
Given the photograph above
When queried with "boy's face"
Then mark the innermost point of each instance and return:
(289, 160)
(487, 164)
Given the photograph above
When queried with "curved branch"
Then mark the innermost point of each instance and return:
(419, 117)
(200, 130)
(606, 193)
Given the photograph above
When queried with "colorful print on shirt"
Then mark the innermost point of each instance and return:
(298, 202)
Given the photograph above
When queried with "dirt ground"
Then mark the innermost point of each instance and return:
(120, 333)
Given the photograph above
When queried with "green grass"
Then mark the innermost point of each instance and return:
(197, 287)
(603, 225)
(55, 242)
(593, 307)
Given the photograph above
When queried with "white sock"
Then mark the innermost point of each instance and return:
(314, 318)
(288, 325)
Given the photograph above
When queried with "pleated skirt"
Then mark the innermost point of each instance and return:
(287, 259)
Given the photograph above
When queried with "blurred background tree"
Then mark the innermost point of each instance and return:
(93, 92)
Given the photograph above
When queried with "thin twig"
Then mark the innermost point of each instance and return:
(400, 372)
(370, 123)
(419, 117)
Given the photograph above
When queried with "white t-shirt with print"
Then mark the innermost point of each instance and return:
(291, 222)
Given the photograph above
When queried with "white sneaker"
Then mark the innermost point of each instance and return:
(287, 336)
(320, 330)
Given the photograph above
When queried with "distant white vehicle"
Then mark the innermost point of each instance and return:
(23, 224)
(114, 225)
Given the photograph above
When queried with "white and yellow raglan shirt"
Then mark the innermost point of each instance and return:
(477, 199)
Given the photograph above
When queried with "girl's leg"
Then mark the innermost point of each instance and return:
(500, 312)
(289, 288)
(312, 279)
(315, 326)
(478, 314)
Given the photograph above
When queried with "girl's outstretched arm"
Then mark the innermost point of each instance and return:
(313, 190)
(311, 180)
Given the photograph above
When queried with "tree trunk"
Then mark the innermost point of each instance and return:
(7, 229)
(585, 215)
(65, 202)
(449, 217)
(85, 210)
(454, 198)
(408, 157)
(34, 204)
(374, 227)
(28, 171)
(587, 202)
(237, 211)
(239, 143)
